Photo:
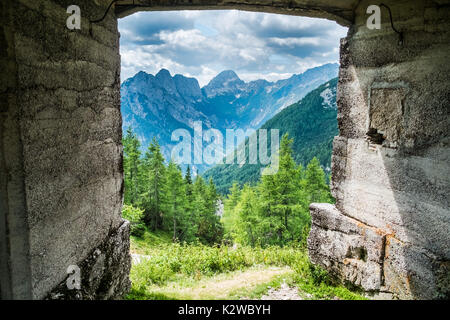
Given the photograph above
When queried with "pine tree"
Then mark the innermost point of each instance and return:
(316, 186)
(155, 199)
(131, 167)
(199, 206)
(187, 177)
(190, 216)
(288, 180)
(233, 196)
(229, 218)
(247, 209)
(174, 217)
(279, 196)
(215, 226)
(209, 229)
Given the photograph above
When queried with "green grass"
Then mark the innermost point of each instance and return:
(224, 286)
(149, 241)
(173, 265)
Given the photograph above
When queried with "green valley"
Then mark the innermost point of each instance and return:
(311, 122)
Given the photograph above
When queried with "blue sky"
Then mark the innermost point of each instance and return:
(201, 44)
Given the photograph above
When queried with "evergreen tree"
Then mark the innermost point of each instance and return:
(280, 192)
(155, 195)
(247, 210)
(131, 167)
(275, 212)
(190, 229)
(288, 182)
(174, 218)
(316, 186)
(209, 229)
(187, 177)
(229, 218)
(233, 195)
(213, 219)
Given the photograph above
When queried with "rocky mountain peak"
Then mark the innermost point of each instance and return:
(225, 82)
(163, 74)
(165, 80)
(187, 87)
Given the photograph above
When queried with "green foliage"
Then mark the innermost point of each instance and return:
(308, 122)
(170, 262)
(154, 198)
(276, 210)
(316, 281)
(174, 217)
(135, 216)
(205, 200)
(266, 220)
(149, 240)
(273, 212)
(316, 188)
(131, 166)
(169, 201)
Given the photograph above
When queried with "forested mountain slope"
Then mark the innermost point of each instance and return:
(311, 122)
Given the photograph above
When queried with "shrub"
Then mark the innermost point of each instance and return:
(135, 216)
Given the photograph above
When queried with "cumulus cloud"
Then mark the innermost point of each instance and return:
(201, 44)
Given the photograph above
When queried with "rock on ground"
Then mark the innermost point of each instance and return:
(283, 293)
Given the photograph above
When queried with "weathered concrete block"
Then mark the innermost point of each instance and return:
(386, 112)
(411, 271)
(351, 250)
(397, 185)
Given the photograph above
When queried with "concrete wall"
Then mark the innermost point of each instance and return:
(389, 231)
(61, 151)
(14, 248)
(340, 11)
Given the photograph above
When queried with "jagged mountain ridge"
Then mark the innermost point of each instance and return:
(156, 105)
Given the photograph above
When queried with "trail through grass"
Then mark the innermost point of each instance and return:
(233, 285)
(176, 271)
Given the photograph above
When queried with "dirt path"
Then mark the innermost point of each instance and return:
(225, 285)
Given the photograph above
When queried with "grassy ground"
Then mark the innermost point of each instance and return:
(174, 271)
(229, 285)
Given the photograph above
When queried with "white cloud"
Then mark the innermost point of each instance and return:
(201, 44)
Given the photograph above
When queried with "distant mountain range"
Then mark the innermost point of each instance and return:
(311, 122)
(156, 105)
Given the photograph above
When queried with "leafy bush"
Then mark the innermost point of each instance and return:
(135, 216)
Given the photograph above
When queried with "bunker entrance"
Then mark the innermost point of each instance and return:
(61, 164)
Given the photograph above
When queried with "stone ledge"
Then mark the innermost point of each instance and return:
(349, 249)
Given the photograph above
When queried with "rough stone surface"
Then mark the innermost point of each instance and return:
(390, 162)
(337, 10)
(346, 246)
(61, 154)
(283, 293)
(104, 273)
